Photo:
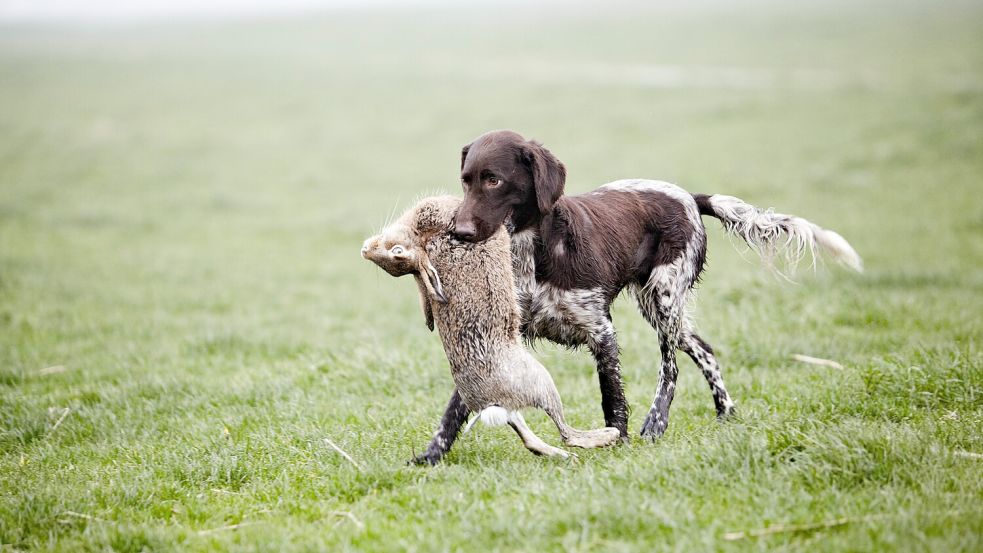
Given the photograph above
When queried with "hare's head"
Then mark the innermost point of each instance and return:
(397, 250)
(400, 250)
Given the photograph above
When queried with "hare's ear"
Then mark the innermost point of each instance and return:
(432, 279)
(425, 300)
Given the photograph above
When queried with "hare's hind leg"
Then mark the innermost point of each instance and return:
(547, 398)
(586, 439)
(589, 439)
(532, 441)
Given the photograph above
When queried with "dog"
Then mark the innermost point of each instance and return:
(573, 255)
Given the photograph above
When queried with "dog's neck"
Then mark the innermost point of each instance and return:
(524, 217)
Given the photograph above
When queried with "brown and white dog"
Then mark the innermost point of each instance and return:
(573, 255)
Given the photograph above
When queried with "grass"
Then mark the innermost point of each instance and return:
(185, 321)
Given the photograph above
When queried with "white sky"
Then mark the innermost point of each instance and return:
(110, 10)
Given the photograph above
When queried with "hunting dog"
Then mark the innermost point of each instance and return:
(573, 255)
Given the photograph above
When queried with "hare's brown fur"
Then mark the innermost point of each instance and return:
(468, 290)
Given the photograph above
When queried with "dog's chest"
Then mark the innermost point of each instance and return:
(568, 317)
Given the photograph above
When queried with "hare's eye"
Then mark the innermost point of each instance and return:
(396, 250)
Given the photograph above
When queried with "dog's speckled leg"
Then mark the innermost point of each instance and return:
(604, 348)
(443, 438)
(702, 354)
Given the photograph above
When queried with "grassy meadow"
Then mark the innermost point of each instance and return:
(186, 324)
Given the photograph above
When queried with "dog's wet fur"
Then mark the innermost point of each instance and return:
(573, 255)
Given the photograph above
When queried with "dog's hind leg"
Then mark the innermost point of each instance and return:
(702, 354)
(532, 442)
(662, 300)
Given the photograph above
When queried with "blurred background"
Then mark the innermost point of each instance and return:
(184, 187)
(200, 175)
(232, 155)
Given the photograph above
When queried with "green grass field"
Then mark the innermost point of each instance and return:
(185, 320)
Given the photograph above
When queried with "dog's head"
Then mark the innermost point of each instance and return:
(504, 175)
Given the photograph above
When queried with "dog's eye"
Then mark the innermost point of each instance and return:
(396, 250)
(494, 182)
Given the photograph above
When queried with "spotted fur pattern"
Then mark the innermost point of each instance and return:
(573, 255)
(577, 317)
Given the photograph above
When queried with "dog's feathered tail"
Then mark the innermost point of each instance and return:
(774, 235)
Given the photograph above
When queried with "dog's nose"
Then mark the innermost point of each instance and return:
(365, 249)
(464, 231)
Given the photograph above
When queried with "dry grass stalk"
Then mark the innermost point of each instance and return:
(816, 361)
(786, 528)
(343, 454)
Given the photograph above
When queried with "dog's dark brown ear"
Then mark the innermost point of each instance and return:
(464, 154)
(548, 174)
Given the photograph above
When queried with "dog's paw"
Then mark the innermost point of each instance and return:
(726, 413)
(427, 458)
(654, 426)
(621, 423)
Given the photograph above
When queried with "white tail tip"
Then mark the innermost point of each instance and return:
(494, 415)
(839, 249)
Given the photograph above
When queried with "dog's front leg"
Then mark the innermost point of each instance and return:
(443, 438)
(604, 346)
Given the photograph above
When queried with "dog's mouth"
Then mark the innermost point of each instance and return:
(507, 222)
